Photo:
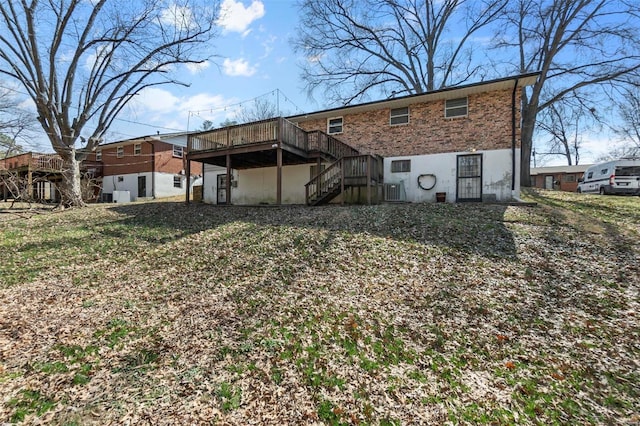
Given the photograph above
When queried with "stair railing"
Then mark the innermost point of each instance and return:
(324, 182)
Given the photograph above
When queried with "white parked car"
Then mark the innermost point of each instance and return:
(613, 177)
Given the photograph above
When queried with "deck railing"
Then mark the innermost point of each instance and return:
(271, 130)
(242, 134)
(324, 182)
(355, 170)
(322, 142)
(51, 162)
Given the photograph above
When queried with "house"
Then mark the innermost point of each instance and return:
(37, 176)
(150, 166)
(459, 143)
(563, 178)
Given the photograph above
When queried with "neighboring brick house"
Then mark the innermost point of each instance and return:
(563, 178)
(36, 176)
(145, 167)
(460, 142)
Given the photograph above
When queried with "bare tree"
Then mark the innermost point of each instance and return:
(629, 110)
(574, 44)
(355, 47)
(206, 125)
(82, 61)
(16, 124)
(259, 109)
(563, 124)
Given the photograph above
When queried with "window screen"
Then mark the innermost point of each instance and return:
(399, 116)
(456, 107)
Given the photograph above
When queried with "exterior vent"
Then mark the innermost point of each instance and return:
(394, 192)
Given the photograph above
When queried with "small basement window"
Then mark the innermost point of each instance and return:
(399, 116)
(177, 151)
(120, 178)
(400, 166)
(177, 181)
(120, 151)
(456, 107)
(334, 125)
(137, 149)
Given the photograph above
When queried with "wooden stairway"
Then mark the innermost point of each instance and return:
(346, 172)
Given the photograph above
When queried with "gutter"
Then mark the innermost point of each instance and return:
(153, 168)
(513, 136)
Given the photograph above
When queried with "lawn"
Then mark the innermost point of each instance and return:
(161, 313)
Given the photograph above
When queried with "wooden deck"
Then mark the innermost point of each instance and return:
(278, 142)
(257, 144)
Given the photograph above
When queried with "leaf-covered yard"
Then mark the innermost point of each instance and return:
(162, 313)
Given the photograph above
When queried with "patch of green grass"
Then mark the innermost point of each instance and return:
(29, 402)
(76, 353)
(330, 414)
(116, 331)
(51, 367)
(231, 396)
(82, 376)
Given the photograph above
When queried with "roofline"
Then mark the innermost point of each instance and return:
(448, 92)
(147, 138)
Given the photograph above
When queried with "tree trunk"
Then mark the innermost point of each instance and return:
(528, 124)
(71, 185)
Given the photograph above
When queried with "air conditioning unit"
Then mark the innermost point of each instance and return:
(394, 192)
(121, 196)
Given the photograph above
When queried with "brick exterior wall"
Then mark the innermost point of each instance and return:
(16, 161)
(486, 127)
(129, 163)
(562, 178)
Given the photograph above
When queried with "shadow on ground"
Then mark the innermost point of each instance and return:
(471, 228)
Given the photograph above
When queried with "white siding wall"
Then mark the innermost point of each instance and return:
(129, 183)
(496, 175)
(162, 181)
(210, 182)
(255, 186)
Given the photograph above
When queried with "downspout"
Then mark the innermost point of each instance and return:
(513, 136)
(153, 169)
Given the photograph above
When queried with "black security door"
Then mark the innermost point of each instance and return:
(469, 178)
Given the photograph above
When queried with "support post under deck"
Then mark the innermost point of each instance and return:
(279, 176)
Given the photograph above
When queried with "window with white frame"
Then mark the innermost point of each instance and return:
(456, 107)
(334, 125)
(399, 116)
(177, 151)
(400, 166)
(137, 149)
(99, 155)
(177, 181)
(120, 151)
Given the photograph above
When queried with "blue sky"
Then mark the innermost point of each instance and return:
(254, 59)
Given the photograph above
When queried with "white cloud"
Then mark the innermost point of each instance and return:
(235, 17)
(238, 67)
(198, 68)
(158, 106)
(178, 16)
(156, 100)
(314, 58)
(267, 43)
